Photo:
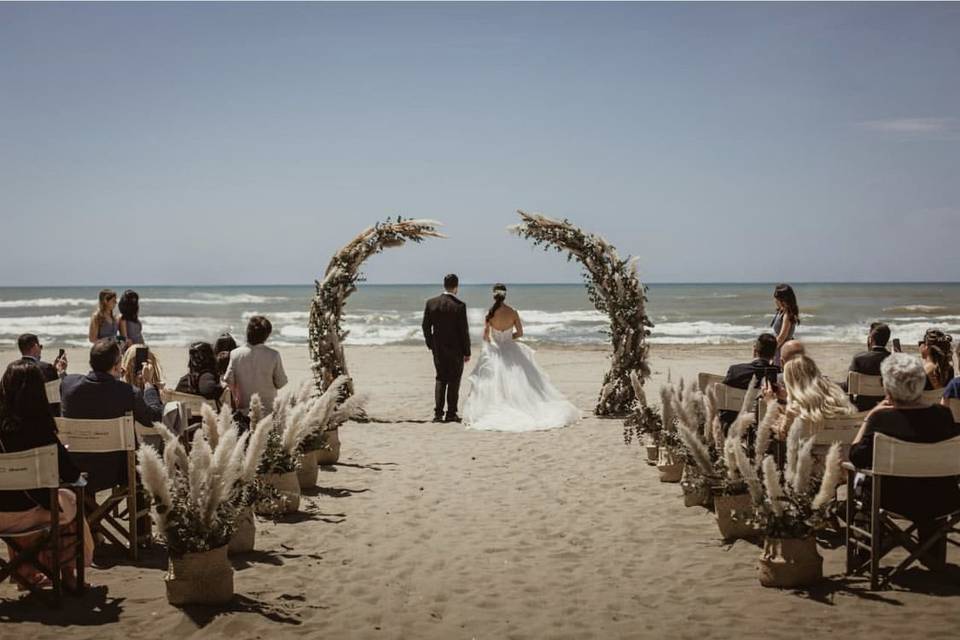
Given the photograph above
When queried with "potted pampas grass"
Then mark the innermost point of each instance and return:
(644, 424)
(322, 445)
(790, 505)
(198, 498)
(289, 424)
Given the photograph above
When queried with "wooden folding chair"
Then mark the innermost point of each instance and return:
(704, 380)
(842, 429)
(932, 396)
(954, 404)
(124, 504)
(861, 385)
(38, 469)
(192, 402)
(896, 458)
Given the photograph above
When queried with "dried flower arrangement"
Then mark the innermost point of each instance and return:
(614, 289)
(199, 495)
(645, 419)
(326, 333)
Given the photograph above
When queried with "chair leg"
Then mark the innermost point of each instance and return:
(55, 545)
(876, 534)
(849, 522)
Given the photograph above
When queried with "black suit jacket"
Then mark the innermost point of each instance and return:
(867, 363)
(100, 396)
(739, 376)
(49, 375)
(26, 436)
(445, 328)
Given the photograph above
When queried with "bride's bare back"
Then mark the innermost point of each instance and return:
(504, 319)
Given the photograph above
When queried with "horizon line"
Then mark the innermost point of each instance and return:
(475, 284)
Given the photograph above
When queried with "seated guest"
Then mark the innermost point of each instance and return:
(202, 378)
(30, 349)
(935, 351)
(952, 389)
(101, 395)
(868, 362)
(131, 329)
(811, 397)
(790, 350)
(223, 348)
(255, 368)
(759, 369)
(26, 423)
(904, 416)
(128, 368)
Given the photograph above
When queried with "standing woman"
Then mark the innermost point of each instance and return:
(131, 330)
(788, 317)
(103, 324)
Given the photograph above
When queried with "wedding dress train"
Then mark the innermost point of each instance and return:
(510, 392)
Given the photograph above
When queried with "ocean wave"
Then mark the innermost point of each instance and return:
(914, 308)
(48, 302)
(217, 298)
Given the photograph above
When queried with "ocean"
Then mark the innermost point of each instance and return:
(552, 314)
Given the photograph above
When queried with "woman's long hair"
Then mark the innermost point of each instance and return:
(23, 398)
(129, 306)
(499, 295)
(785, 294)
(102, 314)
(811, 395)
(201, 360)
(222, 348)
(129, 361)
(938, 352)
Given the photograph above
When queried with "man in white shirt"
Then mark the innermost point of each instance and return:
(255, 368)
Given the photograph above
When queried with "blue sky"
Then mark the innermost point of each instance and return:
(243, 143)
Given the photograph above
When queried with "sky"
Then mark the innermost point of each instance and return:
(244, 143)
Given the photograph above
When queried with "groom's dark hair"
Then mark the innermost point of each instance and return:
(451, 281)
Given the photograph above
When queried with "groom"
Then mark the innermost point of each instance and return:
(448, 337)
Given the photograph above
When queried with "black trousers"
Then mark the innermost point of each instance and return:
(449, 368)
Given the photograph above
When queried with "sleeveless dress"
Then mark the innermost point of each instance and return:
(510, 392)
(134, 331)
(777, 324)
(107, 329)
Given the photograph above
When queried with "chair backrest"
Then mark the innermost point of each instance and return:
(192, 402)
(704, 380)
(932, 396)
(97, 436)
(861, 384)
(30, 469)
(53, 391)
(842, 429)
(729, 398)
(893, 457)
(954, 404)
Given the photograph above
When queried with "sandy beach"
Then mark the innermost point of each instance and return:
(433, 531)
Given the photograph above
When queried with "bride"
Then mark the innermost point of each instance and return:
(508, 391)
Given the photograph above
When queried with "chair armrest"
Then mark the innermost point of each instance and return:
(849, 466)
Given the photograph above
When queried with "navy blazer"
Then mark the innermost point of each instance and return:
(49, 375)
(100, 396)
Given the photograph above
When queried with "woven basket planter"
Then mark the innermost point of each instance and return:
(653, 454)
(670, 470)
(307, 474)
(790, 562)
(732, 512)
(289, 488)
(246, 533)
(694, 495)
(200, 578)
(332, 455)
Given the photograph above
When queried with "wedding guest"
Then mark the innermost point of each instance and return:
(129, 373)
(787, 317)
(790, 350)
(903, 415)
(131, 330)
(952, 389)
(811, 397)
(100, 394)
(26, 423)
(202, 378)
(223, 347)
(759, 369)
(30, 350)
(868, 362)
(103, 323)
(255, 367)
(935, 351)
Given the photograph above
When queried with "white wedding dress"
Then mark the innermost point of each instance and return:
(509, 392)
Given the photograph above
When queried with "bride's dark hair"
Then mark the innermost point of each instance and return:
(499, 295)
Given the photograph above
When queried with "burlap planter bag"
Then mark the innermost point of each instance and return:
(732, 511)
(307, 474)
(245, 534)
(694, 495)
(289, 488)
(331, 455)
(790, 562)
(200, 578)
(653, 454)
(670, 470)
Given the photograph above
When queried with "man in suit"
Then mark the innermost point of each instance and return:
(868, 362)
(100, 395)
(759, 369)
(448, 337)
(30, 350)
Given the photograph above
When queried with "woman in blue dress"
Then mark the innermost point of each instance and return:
(131, 330)
(788, 317)
(103, 324)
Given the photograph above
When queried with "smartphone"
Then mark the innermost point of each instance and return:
(60, 355)
(140, 358)
(896, 345)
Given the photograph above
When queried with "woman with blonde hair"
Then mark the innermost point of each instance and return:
(810, 396)
(103, 324)
(134, 378)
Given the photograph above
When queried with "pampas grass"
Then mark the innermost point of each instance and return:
(698, 450)
(832, 477)
(765, 428)
(804, 470)
(749, 474)
(771, 482)
(667, 393)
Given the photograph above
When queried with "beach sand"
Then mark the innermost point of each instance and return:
(433, 531)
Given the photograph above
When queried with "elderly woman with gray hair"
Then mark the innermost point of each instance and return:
(904, 415)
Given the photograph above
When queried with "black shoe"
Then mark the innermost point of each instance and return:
(438, 417)
(452, 417)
